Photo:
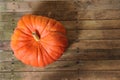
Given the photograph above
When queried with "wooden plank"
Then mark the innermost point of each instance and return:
(73, 25)
(44, 6)
(10, 0)
(42, 0)
(99, 15)
(74, 55)
(58, 65)
(6, 35)
(1, 34)
(83, 65)
(91, 54)
(98, 24)
(100, 65)
(87, 24)
(55, 75)
(79, 34)
(28, 5)
(6, 66)
(96, 44)
(61, 16)
(83, 75)
(65, 75)
(99, 75)
(4, 45)
(81, 44)
(6, 56)
(7, 26)
(93, 34)
(97, 4)
(83, 25)
(98, 34)
(5, 76)
(2, 6)
(29, 0)
(68, 15)
(7, 17)
(69, 62)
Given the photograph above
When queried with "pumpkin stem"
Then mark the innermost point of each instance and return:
(36, 37)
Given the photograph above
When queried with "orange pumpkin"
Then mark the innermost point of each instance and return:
(38, 41)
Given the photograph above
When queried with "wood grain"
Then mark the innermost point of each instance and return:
(72, 65)
(98, 15)
(5, 76)
(80, 4)
(75, 55)
(94, 65)
(81, 44)
(6, 56)
(78, 35)
(55, 75)
(97, 44)
(66, 16)
(93, 33)
(91, 75)
(73, 25)
(98, 24)
(91, 54)
(99, 75)
(7, 26)
(23, 6)
(97, 4)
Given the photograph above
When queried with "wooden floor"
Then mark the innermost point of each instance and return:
(93, 29)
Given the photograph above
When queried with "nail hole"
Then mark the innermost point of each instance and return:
(76, 21)
(12, 59)
(12, 63)
(13, 14)
(12, 19)
(12, 52)
(77, 62)
(77, 49)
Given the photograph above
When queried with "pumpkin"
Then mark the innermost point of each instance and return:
(38, 40)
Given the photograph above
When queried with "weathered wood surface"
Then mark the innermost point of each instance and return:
(82, 44)
(64, 65)
(72, 25)
(93, 32)
(67, 15)
(62, 75)
(79, 34)
(91, 75)
(76, 54)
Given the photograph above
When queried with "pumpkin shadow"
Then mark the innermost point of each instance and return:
(61, 11)
(64, 12)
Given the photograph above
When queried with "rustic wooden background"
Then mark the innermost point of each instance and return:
(93, 28)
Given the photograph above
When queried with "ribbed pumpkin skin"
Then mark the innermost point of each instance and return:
(48, 49)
